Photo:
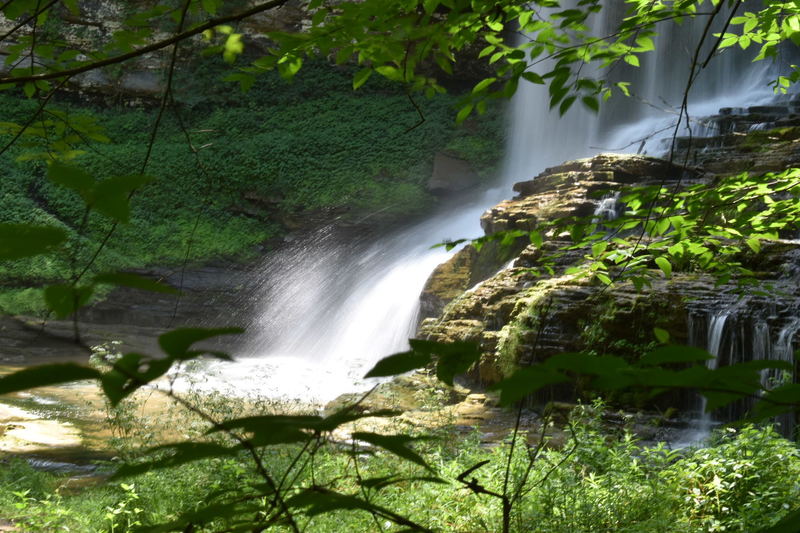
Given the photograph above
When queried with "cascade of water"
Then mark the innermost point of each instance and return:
(716, 331)
(738, 334)
(608, 208)
(331, 309)
(783, 350)
(762, 349)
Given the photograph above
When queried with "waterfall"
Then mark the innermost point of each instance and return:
(608, 209)
(716, 330)
(329, 309)
(742, 331)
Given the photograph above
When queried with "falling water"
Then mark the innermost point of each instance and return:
(716, 331)
(742, 332)
(783, 351)
(330, 309)
(608, 208)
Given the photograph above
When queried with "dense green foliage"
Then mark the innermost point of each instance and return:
(592, 481)
(285, 151)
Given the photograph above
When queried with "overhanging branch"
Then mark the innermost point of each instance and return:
(211, 23)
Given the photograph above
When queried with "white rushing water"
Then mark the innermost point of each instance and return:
(330, 310)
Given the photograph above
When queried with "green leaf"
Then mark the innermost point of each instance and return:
(526, 381)
(566, 104)
(134, 281)
(463, 113)
(209, 6)
(591, 103)
(234, 47)
(24, 240)
(71, 177)
(65, 299)
(111, 197)
(361, 77)
(399, 363)
(645, 44)
(46, 375)
(172, 455)
(395, 444)
(675, 354)
(599, 247)
(661, 335)
(533, 77)
(754, 243)
(486, 51)
(176, 343)
(665, 266)
(631, 60)
(457, 359)
(390, 72)
(430, 6)
(483, 85)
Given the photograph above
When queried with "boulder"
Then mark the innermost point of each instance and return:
(451, 175)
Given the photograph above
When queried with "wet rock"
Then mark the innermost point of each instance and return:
(451, 175)
(141, 83)
(524, 313)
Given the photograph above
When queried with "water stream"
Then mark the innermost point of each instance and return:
(329, 309)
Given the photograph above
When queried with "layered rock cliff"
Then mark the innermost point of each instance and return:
(520, 313)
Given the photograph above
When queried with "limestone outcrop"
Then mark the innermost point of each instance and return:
(521, 313)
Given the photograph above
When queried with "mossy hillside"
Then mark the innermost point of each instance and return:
(304, 150)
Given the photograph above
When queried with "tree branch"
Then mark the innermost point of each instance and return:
(182, 36)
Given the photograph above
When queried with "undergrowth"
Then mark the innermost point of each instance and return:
(592, 481)
(234, 169)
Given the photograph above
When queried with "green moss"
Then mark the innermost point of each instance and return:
(517, 334)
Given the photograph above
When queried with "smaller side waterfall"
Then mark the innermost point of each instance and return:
(715, 336)
(608, 209)
(745, 331)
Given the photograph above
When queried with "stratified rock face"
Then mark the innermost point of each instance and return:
(753, 139)
(576, 188)
(522, 313)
